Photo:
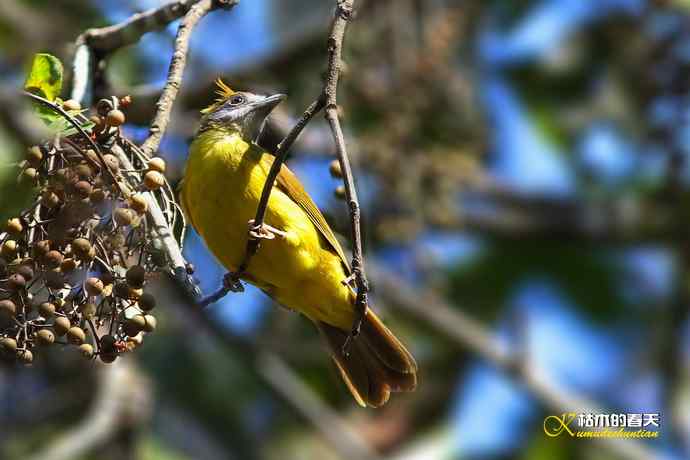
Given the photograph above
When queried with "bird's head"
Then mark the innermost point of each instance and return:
(239, 110)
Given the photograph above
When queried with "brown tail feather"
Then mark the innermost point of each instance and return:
(377, 363)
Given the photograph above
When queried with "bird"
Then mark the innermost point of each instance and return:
(300, 263)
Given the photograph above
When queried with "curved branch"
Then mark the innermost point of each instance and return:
(177, 66)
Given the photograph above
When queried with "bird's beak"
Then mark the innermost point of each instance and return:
(261, 111)
(267, 104)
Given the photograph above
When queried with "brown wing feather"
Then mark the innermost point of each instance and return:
(292, 187)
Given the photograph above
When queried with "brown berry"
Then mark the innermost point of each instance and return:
(334, 169)
(97, 196)
(339, 192)
(112, 162)
(97, 122)
(81, 247)
(14, 226)
(88, 310)
(41, 248)
(151, 323)
(25, 356)
(34, 155)
(136, 276)
(61, 326)
(157, 164)
(8, 308)
(147, 302)
(123, 216)
(46, 309)
(8, 345)
(16, 282)
(84, 171)
(68, 265)
(153, 180)
(26, 271)
(86, 350)
(115, 118)
(71, 104)
(53, 259)
(9, 249)
(93, 286)
(138, 203)
(45, 337)
(83, 189)
(76, 335)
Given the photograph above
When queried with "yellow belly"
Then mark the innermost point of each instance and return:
(221, 191)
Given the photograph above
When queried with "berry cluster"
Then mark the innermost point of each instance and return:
(74, 265)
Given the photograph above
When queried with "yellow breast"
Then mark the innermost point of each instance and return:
(222, 186)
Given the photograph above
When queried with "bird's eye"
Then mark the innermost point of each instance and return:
(237, 99)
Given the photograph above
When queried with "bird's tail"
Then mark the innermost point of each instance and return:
(377, 362)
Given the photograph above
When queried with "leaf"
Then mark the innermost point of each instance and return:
(45, 76)
(45, 80)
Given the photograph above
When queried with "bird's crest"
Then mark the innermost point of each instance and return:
(223, 91)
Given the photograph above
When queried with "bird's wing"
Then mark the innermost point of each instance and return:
(292, 187)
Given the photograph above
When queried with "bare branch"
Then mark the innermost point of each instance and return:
(335, 45)
(177, 66)
(107, 39)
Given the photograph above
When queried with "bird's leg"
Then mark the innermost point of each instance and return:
(231, 282)
(360, 314)
(264, 231)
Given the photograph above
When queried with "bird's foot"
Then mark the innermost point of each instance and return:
(232, 283)
(264, 231)
(349, 281)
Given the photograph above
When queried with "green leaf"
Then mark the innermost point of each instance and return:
(45, 76)
(45, 80)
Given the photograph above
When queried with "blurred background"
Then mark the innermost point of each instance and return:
(524, 176)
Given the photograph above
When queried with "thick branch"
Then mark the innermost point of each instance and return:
(107, 39)
(177, 66)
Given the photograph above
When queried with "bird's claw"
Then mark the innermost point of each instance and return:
(232, 283)
(349, 281)
(264, 231)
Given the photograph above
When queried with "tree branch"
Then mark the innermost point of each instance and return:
(335, 46)
(107, 39)
(177, 66)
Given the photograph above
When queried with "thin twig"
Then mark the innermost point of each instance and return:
(177, 66)
(335, 46)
